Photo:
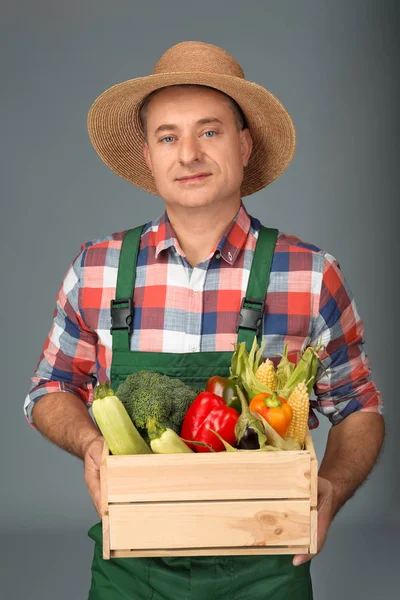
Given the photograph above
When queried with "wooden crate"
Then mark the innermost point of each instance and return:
(209, 503)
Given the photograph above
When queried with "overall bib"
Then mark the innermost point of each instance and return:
(203, 577)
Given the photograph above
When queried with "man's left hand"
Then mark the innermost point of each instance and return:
(325, 517)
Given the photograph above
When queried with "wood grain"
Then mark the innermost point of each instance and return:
(104, 502)
(209, 551)
(216, 476)
(210, 524)
(313, 531)
(210, 504)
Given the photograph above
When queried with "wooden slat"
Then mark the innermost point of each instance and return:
(314, 530)
(309, 445)
(209, 524)
(314, 483)
(205, 476)
(314, 469)
(209, 551)
(104, 503)
(103, 479)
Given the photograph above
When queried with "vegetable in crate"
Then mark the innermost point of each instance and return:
(264, 447)
(266, 374)
(274, 439)
(246, 365)
(284, 369)
(249, 431)
(300, 402)
(253, 424)
(305, 371)
(226, 386)
(209, 411)
(164, 440)
(221, 386)
(275, 379)
(119, 432)
(275, 410)
(253, 376)
(147, 395)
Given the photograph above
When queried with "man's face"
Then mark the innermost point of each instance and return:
(194, 131)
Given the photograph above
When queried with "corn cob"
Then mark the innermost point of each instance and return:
(266, 374)
(116, 426)
(299, 400)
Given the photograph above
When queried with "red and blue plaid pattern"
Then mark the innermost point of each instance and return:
(178, 308)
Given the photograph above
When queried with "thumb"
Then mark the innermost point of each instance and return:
(92, 478)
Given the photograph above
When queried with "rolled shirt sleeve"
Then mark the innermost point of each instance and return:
(68, 359)
(344, 383)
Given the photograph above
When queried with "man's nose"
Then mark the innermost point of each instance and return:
(189, 149)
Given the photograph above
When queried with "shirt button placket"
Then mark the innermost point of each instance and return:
(196, 308)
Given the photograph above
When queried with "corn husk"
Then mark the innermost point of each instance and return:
(247, 422)
(229, 448)
(305, 371)
(274, 439)
(284, 369)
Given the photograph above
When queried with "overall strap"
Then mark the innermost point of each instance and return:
(121, 307)
(252, 309)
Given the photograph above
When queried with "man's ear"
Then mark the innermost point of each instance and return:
(246, 146)
(147, 158)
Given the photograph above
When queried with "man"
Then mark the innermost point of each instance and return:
(201, 137)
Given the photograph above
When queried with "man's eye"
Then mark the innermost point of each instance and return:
(213, 133)
(169, 137)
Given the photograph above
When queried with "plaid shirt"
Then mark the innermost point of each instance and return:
(183, 309)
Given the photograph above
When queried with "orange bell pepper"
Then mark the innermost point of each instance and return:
(275, 410)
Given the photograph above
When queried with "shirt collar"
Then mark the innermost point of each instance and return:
(228, 247)
(165, 236)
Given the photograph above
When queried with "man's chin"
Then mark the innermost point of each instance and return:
(191, 201)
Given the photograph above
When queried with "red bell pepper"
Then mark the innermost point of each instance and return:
(209, 411)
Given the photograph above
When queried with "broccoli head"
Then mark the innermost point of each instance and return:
(147, 395)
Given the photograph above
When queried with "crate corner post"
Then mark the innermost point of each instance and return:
(104, 502)
(313, 495)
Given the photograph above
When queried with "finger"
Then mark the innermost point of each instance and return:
(96, 499)
(324, 489)
(97, 504)
(300, 559)
(93, 485)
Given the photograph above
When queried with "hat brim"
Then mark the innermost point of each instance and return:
(115, 130)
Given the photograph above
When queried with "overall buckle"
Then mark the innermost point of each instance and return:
(121, 316)
(251, 318)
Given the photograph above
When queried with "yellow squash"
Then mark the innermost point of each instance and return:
(111, 416)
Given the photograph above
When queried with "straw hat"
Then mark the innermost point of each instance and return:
(116, 132)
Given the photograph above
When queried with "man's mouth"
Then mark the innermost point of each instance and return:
(194, 178)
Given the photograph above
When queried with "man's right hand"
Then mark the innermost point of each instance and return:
(92, 460)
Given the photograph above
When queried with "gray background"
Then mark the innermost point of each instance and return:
(334, 66)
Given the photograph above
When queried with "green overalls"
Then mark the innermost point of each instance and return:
(203, 577)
